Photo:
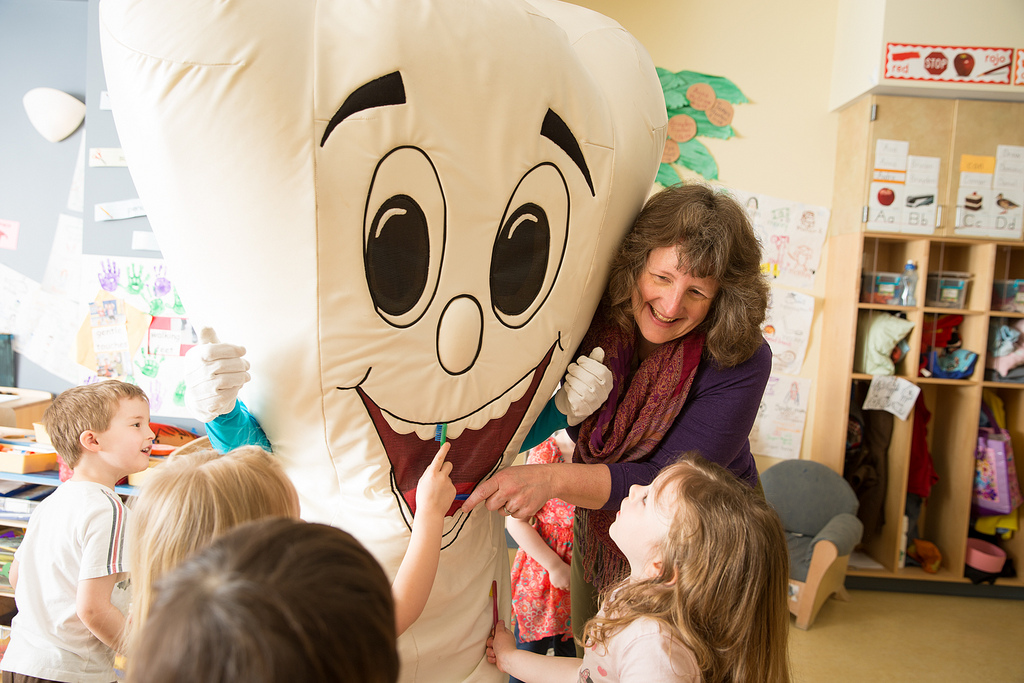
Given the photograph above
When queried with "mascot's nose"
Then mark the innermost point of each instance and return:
(459, 334)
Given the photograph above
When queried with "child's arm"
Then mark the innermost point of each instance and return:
(99, 615)
(434, 495)
(523, 533)
(12, 575)
(528, 666)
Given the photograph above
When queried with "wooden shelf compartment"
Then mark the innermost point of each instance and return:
(952, 440)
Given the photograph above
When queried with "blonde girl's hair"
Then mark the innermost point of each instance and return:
(192, 499)
(714, 239)
(722, 588)
(89, 407)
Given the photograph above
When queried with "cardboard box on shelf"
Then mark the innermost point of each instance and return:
(23, 459)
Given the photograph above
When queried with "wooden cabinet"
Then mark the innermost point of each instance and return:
(25, 405)
(931, 127)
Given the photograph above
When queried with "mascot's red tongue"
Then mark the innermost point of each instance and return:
(474, 454)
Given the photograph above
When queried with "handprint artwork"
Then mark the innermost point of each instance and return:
(136, 329)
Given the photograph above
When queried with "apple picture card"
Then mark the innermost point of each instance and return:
(885, 202)
(888, 189)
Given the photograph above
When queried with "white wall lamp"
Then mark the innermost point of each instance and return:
(55, 114)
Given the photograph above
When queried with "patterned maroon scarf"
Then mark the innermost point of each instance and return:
(628, 428)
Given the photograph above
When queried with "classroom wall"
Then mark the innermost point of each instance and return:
(779, 54)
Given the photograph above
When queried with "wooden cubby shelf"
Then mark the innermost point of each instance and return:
(943, 129)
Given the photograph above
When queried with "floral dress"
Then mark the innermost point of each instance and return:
(542, 610)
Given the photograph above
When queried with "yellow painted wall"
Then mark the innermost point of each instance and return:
(780, 55)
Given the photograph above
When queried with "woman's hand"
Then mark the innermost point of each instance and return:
(500, 645)
(518, 491)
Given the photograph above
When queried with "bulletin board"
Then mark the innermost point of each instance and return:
(83, 281)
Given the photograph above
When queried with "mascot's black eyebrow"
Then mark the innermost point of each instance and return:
(390, 90)
(381, 92)
(554, 129)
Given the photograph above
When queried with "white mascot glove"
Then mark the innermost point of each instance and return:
(586, 387)
(214, 373)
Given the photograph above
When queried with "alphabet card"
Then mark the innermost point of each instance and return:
(888, 186)
(921, 195)
(904, 190)
(982, 209)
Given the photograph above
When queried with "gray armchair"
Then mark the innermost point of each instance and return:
(818, 509)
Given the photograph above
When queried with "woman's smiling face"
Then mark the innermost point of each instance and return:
(668, 301)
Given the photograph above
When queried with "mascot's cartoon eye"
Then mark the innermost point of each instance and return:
(397, 250)
(530, 245)
(403, 236)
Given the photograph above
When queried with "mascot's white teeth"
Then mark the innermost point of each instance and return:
(474, 421)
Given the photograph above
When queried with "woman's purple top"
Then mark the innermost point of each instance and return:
(715, 421)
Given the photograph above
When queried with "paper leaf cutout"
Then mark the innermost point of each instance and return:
(704, 127)
(675, 99)
(696, 157)
(667, 176)
(724, 88)
(692, 154)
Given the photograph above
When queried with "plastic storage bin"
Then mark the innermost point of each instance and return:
(1008, 295)
(881, 288)
(947, 290)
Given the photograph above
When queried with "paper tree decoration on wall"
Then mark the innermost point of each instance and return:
(698, 105)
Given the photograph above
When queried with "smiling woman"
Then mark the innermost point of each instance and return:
(680, 327)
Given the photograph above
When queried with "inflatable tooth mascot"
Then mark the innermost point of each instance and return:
(405, 211)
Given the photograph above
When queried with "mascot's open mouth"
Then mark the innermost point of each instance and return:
(474, 452)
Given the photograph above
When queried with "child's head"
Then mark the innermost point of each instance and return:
(193, 498)
(272, 600)
(90, 407)
(715, 570)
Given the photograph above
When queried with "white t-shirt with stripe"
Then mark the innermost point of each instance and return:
(76, 533)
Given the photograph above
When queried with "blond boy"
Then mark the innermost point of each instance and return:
(68, 575)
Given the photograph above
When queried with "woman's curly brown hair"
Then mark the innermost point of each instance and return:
(714, 239)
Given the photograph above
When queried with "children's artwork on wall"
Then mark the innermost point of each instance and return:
(698, 105)
(16, 290)
(779, 426)
(787, 327)
(42, 323)
(792, 235)
(424, 199)
(76, 193)
(63, 272)
(134, 329)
